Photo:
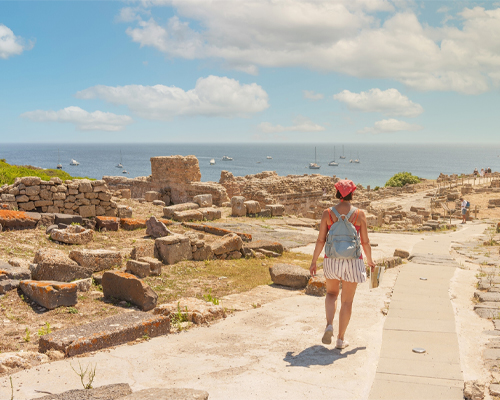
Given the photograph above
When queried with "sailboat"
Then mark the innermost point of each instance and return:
(120, 165)
(59, 165)
(314, 165)
(342, 156)
(350, 157)
(357, 159)
(333, 163)
(212, 161)
(74, 162)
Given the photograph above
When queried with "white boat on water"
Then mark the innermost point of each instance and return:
(124, 172)
(269, 157)
(59, 165)
(212, 161)
(342, 156)
(314, 165)
(333, 163)
(226, 158)
(120, 165)
(357, 159)
(74, 162)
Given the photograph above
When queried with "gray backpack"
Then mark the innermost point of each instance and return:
(342, 240)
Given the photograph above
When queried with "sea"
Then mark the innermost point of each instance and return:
(377, 162)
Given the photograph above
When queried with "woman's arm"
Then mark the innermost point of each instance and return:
(320, 243)
(365, 241)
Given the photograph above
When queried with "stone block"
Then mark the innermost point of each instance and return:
(22, 198)
(8, 285)
(188, 215)
(87, 211)
(289, 275)
(316, 286)
(198, 311)
(108, 223)
(227, 244)
(155, 265)
(238, 208)
(103, 196)
(156, 228)
(252, 206)
(123, 211)
(269, 245)
(143, 248)
(169, 211)
(131, 224)
(97, 260)
(170, 394)
(104, 333)
(123, 286)
(30, 180)
(67, 219)
(266, 213)
(151, 196)
(126, 193)
(174, 248)
(401, 253)
(138, 268)
(203, 253)
(85, 186)
(277, 210)
(210, 213)
(73, 234)
(14, 272)
(50, 294)
(83, 285)
(159, 203)
(55, 265)
(203, 200)
(18, 219)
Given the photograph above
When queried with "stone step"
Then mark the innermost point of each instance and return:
(108, 332)
(487, 296)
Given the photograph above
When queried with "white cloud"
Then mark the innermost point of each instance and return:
(388, 102)
(340, 36)
(83, 120)
(390, 126)
(211, 96)
(311, 95)
(10, 44)
(300, 124)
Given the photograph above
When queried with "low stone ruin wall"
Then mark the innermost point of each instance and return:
(79, 196)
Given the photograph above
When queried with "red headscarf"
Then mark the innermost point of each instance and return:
(345, 186)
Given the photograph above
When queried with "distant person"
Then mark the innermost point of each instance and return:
(475, 172)
(489, 170)
(481, 174)
(350, 270)
(463, 207)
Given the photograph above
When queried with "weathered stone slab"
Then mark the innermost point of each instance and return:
(23, 359)
(252, 206)
(16, 273)
(67, 219)
(97, 260)
(188, 215)
(174, 248)
(227, 244)
(487, 296)
(389, 262)
(316, 286)
(83, 285)
(168, 394)
(108, 392)
(154, 265)
(203, 200)
(289, 275)
(156, 228)
(107, 332)
(266, 213)
(210, 213)
(138, 268)
(124, 211)
(143, 248)
(195, 310)
(18, 219)
(401, 253)
(108, 223)
(8, 285)
(277, 210)
(169, 211)
(257, 245)
(73, 234)
(50, 294)
(203, 253)
(152, 196)
(238, 208)
(131, 224)
(128, 287)
(433, 259)
(54, 265)
(490, 310)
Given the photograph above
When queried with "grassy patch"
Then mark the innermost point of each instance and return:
(9, 173)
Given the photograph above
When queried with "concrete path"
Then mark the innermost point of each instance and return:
(421, 315)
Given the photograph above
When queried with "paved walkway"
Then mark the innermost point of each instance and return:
(421, 315)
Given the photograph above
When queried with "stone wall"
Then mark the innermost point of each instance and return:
(79, 196)
(175, 169)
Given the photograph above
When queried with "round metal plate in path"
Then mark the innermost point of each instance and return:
(423, 279)
(419, 350)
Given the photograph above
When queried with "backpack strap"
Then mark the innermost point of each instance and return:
(330, 215)
(335, 212)
(351, 211)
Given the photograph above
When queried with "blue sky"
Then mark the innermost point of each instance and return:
(249, 71)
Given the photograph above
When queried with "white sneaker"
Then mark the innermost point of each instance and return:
(341, 344)
(327, 336)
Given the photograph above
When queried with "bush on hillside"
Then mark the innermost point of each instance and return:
(402, 178)
(9, 173)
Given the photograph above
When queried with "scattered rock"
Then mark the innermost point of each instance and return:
(108, 392)
(203, 200)
(277, 210)
(474, 390)
(124, 211)
(108, 223)
(169, 211)
(252, 206)
(123, 286)
(18, 219)
(154, 265)
(316, 285)
(97, 260)
(401, 253)
(131, 224)
(50, 294)
(152, 196)
(234, 255)
(188, 215)
(289, 275)
(269, 245)
(238, 208)
(8, 285)
(174, 248)
(168, 394)
(20, 360)
(67, 219)
(73, 234)
(55, 265)
(83, 285)
(156, 228)
(198, 311)
(55, 355)
(50, 229)
(143, 248)
(159, 203)
(210, 213)
(138, 268)
(227, 244)
(14, 272)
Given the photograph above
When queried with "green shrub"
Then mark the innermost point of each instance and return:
(9, 173)
(402, 178)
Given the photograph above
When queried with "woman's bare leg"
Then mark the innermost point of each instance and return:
(332, 293)
(348, 291)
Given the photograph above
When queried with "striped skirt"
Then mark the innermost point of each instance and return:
(349, 270)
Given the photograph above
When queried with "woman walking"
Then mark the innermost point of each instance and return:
(350, 271)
